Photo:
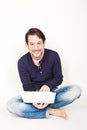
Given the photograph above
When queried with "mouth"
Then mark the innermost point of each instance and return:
(36, 52)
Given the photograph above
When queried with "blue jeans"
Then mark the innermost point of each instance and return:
(64, 96)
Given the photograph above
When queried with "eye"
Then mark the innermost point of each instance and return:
(39, 43)
(31, 43)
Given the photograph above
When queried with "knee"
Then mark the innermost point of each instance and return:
(76, 90)
(9, 106)
(13, 104)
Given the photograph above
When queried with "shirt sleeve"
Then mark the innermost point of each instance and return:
(24, 76)
(57, 77)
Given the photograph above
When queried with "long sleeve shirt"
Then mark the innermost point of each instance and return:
(48, 73)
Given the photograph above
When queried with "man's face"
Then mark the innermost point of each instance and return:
(35, 46)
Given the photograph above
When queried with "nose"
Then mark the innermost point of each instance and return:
(36, 47)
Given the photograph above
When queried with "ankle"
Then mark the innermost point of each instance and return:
(51, 111)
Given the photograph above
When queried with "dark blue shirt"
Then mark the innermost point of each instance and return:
(48, 73)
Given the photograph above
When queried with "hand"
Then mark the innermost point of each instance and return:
(40, 105)
(45, 88)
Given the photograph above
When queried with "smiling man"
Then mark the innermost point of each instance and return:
(36, 47)
(40, 70)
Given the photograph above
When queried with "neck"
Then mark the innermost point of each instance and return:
(36, 60)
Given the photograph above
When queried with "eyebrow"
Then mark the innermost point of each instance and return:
(34, 42)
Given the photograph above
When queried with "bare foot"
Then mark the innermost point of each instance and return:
(58, 112)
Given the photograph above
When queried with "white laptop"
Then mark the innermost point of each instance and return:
(38, 96)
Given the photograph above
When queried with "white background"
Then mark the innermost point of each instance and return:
(64, 23)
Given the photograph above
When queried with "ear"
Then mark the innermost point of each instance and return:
(44, 43)
(26, 45)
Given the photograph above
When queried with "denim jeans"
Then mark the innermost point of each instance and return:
(64, 96)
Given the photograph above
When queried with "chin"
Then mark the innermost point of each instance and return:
(38, 55)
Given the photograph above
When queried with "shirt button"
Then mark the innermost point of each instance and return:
(40, 72)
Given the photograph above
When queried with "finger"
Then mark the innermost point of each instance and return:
(34, 103)
(41, 104)
(44, 105)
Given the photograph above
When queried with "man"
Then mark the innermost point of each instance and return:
(40, 69)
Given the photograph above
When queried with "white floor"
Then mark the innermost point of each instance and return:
(77, 119)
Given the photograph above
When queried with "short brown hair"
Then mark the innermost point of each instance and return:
(35, 31)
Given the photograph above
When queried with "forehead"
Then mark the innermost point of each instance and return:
(33, 38)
